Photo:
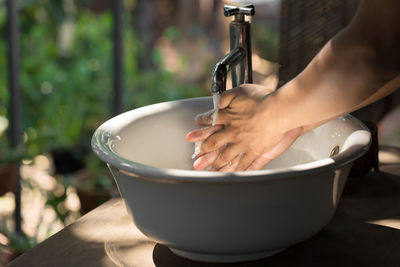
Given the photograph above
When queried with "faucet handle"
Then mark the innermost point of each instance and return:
(236, 10)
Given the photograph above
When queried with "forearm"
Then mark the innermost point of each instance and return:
(384, 91)
(351, 71)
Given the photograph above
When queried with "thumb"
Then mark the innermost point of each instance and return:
(227, 98)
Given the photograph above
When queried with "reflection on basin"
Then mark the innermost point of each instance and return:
(224, 217)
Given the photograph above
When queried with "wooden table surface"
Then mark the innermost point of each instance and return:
(365, 231)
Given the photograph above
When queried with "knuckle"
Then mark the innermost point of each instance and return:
(243, 164)
(221, 114)
(207, 160)
(202, 120)
(209, 144)
(219, 163)
(225, 154)
(222, 158)
(204, 132)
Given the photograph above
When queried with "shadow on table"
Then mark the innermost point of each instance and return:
(344, 242)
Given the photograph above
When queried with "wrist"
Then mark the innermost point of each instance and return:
(274, 112)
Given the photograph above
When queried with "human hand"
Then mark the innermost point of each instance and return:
(238, 141)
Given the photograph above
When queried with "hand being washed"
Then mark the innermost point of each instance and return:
(357, 67)
(243, 138)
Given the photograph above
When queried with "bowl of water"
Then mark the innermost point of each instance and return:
(224, 217)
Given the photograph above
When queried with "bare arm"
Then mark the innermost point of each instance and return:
(357, 67)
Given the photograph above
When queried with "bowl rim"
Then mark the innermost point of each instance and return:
(101, 145)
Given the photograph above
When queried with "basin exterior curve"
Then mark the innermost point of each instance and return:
(212, 216)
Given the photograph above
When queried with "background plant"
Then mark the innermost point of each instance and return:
(66, 73)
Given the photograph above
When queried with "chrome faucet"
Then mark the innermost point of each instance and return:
(239, 58)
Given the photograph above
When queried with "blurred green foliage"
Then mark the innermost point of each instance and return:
(265, 40)
(66, 81)
(17, 242)
(9, 154)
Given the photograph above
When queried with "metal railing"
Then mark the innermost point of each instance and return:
(15, 108)
(15, 94)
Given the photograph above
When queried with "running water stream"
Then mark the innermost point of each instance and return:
(216, 99)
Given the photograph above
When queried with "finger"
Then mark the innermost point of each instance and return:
(278, 149)
(245, 161)
(226, 98)
(231, 166)
(201, 134)
(222, 117)
(226, 156)
(212, 117)
(205, 160)
(206, 118)
(216, 140)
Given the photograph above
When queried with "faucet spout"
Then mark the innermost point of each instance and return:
(238, 60)
(222, 68)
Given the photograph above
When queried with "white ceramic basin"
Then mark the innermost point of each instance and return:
(224, 217)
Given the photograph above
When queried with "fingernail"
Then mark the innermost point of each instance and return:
(197, 164)
(188, 136)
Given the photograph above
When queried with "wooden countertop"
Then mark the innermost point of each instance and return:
(365, 231)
